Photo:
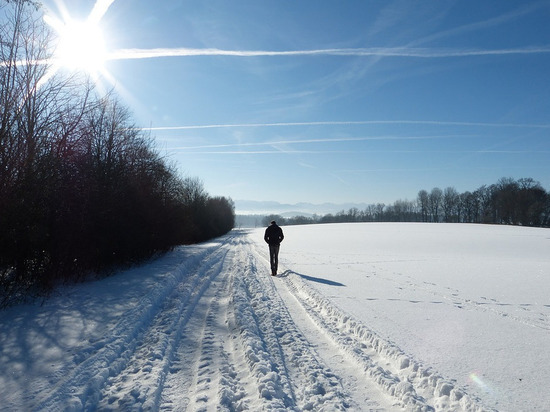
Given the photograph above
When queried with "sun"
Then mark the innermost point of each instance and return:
(80, 45)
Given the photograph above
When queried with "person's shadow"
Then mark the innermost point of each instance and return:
(312, 278)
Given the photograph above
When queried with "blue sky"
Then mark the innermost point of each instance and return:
(335, 101)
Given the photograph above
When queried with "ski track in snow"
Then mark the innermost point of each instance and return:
(221, 334)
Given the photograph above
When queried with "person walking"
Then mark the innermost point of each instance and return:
(273, 237)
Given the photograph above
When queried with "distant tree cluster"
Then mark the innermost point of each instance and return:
(81, 188)
(512, 202)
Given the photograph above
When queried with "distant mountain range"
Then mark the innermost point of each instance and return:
(254, 207)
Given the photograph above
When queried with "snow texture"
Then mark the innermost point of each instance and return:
(362, 317)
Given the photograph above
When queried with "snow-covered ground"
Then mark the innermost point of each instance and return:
(360, 317)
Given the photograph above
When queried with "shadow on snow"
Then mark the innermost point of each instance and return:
(312, 278)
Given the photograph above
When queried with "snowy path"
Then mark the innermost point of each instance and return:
(212, 330)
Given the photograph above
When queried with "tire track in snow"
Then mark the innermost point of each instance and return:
(151, 361)
(80, 387)
(288, 371)
(363, 392)
(203, 369)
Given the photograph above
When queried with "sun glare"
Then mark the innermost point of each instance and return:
(80, 45)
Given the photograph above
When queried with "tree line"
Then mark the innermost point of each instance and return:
(512, 202)
(82, 189)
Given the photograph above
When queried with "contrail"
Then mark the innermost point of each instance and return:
(284, 152)
(341, 123)
(129, 54)
(309, 141)
(425, 169)
(217, 126)
(124, 54)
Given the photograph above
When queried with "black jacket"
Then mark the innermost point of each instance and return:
(274, 235)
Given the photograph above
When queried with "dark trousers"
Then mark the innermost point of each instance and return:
(274, 257)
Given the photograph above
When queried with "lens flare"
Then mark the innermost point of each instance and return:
(480, 383)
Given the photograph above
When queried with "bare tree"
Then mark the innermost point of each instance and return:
(34, 104)
(434, 201)
(450, 205)
(423, 204)
(469, 207)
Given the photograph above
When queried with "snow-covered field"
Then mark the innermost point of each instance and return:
(360, 317)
